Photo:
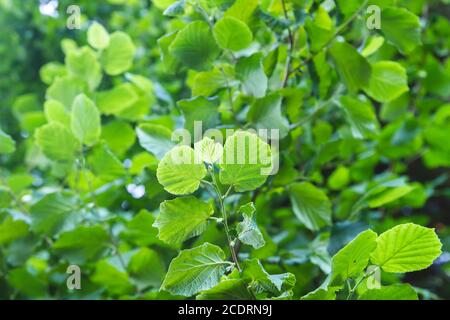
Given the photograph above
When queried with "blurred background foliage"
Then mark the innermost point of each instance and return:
(403, 155)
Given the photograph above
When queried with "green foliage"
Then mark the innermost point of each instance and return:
(195, 270)
(233, 34)
(95, 171)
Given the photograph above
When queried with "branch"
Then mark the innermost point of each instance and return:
(291, 47)
(221, 199)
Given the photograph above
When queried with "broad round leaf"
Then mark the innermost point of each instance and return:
(195, 270)
(388, 81)
(246, 162)
(180, 171)
(57, 142)
(401, 28)
(231, 33)
(181, 219)
(118, 56)
(209, 150)
(406, 248)
(97, 36)
(82, 63)
(194, 45)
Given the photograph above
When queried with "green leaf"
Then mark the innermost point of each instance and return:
(202, 110)
(351, 260)
(11, 230)
(27, 283)
(112, 278)
(118, 56)
(55, 212)
(65, 90)
(194, 45)
(311, 205)
(155, 139)
(361, 117)
(243, 10)
(56, 112)
(163, 4)
(328, 293)
(182, 218)
(85, 121)
(388, 81)
(389, 195)
(7, 144)
(207, 83)
(117, 100)
(229, 289)
(195, 270)
(266, 113)
(392, 292)
(373, 44)
(231, 33)
(248, 231)
(246, 162)
(82, 63)
(264, 284)
(119, 135)
(146, 268)
(140, 230)
(406, 248)
(401, 28)
(180, 171)
(97, 36)
(250, 71)
(170, 62)
(209, 150)
(339, 179)
(348, 7)
(57, 142)
(105, 164)
(51, 71)
(352, 67)
(320, 30)
(82, 244)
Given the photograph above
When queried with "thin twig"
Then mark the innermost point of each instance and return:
(291, 47)
(225, 219)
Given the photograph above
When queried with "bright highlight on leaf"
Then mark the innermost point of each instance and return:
(209, 150)
(97, 36)
(406, 248)
(180, 171)
(118, 56)
(246, 162)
